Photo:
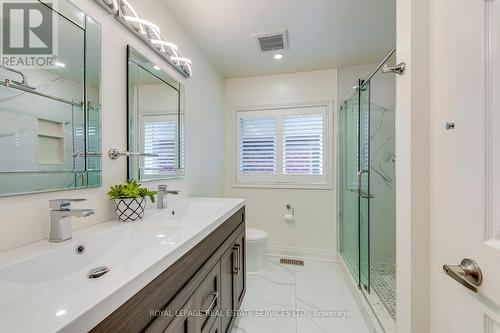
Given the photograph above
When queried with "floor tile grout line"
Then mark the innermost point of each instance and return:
(270, 303)
(295, 298)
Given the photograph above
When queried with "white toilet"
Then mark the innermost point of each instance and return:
(256, 243)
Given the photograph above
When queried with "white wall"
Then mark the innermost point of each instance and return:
(25, 219)
(413, 164)
(313, 232)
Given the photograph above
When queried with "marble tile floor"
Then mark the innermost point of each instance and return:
(314, 298)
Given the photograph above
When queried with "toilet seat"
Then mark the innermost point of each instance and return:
(255, 235)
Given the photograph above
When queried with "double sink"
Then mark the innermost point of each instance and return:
(45, 287)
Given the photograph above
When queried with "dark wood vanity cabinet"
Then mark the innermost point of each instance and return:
(239, 284)
(233, 271)
(207, 301)
(183, 322)
(200, 293)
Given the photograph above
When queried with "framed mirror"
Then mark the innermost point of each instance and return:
(50, 112)
(155, 121)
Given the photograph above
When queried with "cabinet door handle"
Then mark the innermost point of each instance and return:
(236, 267)
(212, 304)
(240, 257)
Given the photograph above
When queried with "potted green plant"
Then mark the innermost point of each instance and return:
(130, 200)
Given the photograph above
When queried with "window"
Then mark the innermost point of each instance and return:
(159, 133)
(303, 144)
(258, 146)
(287, 146)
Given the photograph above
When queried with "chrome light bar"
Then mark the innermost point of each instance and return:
(148, 33)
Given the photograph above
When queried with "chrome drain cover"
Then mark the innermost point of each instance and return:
(97, 272)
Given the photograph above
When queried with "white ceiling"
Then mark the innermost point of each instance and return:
(322, 33)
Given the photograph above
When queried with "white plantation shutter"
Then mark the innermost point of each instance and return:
(159, 138)
(303, 144)
(286, 146)
(257, 146)
(182, 149)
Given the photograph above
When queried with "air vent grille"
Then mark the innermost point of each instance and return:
(272, 41)
(297, 262)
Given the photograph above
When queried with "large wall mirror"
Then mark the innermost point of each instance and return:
(155, 121)
(50, 114)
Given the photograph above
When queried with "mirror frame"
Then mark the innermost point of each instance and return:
(146, 64)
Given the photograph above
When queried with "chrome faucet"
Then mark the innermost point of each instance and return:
(60, 218)
(162, 196)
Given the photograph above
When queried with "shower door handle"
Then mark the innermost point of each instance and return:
(362, 193)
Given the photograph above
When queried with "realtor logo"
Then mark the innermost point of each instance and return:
(28, 33)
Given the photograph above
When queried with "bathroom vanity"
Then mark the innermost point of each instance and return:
(180, 269)
(200, 292)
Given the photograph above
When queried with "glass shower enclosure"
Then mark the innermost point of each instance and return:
(367, 192)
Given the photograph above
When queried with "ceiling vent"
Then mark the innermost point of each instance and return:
(272, 41)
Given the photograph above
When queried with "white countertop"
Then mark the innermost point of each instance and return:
(44, 286)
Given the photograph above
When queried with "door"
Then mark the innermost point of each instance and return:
(364, 184)
(348, 184)
(239, 276)
(232, 265)
(228, 267)
(355, 184)
(207, 301)
(465, 162)
(184, 321)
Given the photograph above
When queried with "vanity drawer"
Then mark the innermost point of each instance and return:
(184, 321)
(207, 301)
(216, 328)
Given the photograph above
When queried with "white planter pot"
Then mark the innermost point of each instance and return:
(130, 210)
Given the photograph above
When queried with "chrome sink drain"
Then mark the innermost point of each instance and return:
(97, 272)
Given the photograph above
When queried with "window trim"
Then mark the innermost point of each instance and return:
(284, 181)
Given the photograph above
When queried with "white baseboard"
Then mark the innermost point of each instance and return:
(301, 252)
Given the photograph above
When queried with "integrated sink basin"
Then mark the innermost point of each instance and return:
(45, 287)
(114, 246)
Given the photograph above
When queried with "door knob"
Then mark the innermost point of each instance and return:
(467, 274)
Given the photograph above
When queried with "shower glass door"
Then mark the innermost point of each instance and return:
(364, 195)
(354, 180)
(367, 194)
(349, 224)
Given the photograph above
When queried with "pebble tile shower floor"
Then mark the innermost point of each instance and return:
(383, 281)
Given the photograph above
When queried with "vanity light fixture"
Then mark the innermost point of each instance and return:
(147, 32)
(142, 22)
(278, 56)
(185, 60)
(162, 42)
